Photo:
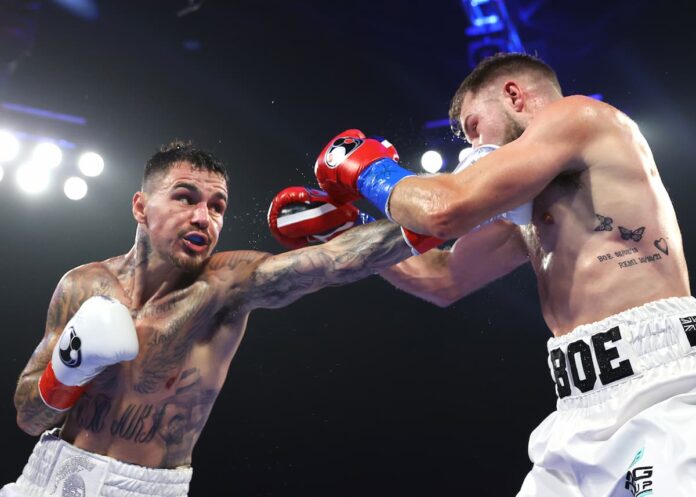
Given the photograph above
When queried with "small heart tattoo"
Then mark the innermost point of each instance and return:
(661, 245)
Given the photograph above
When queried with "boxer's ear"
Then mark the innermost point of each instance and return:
(138, 207)
(514, 95)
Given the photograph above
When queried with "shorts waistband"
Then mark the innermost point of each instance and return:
(56, 467)
(597, 356)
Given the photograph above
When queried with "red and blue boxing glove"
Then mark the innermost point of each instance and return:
(352, 166)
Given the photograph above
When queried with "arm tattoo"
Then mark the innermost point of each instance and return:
(360, 252)
(33, 415)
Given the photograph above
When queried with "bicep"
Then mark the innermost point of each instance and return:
(483, 256)
(278, 280)
(509, 177)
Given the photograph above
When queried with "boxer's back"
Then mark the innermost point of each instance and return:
(606, 238)
(151, 411)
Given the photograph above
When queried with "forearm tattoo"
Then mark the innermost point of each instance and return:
(33, 415)
(358, 253)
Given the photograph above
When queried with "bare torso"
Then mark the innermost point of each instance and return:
(150, 411)
(586, 270)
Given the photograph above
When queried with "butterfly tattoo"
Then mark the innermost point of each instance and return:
(634, 235)
(604, 223)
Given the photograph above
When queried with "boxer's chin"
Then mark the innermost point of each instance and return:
(188, 263)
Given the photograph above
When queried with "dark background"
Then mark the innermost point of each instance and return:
(360, 390)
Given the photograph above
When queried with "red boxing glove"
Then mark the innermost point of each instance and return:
(300, 216)
(340, 163)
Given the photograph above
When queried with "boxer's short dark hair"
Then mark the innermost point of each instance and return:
(180, 151)
(491, 67)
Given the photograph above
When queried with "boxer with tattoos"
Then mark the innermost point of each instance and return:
(607, 252)
(137, 347)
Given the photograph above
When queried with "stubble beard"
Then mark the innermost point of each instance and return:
(188, 263)
(513, 130)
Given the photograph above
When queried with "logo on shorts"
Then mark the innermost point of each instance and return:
(340, 149)
(689, 325)
(73, 485)
(69, 349)
(639, 479)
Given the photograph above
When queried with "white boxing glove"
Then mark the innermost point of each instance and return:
(101, 333)
(520, 215)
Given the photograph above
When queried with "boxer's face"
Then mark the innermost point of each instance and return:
(184, 214)
(487, 119)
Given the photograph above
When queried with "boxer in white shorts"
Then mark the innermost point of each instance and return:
(603, 240)
(624, 423)
(137, 347)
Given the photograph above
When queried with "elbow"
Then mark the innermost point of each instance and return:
(445, 297)
(27, 427)
(444, 221)
(442, 302)
(26, 416)
(446, 215)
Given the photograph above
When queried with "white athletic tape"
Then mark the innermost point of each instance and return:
(305, 215)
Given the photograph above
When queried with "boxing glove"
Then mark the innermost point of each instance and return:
(300, 216)
(353, 166)
(101, 333)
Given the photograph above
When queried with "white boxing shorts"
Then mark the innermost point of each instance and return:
(58, 469)
(625, 423)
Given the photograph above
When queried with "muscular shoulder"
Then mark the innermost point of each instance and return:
(573, 125)
(76, 286)
(231, 275)
(236, 260)
(94, 278)
(577, 116)
(233, 268)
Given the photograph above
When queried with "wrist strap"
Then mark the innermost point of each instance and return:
(55, 394)
(376, 182)
(420, 244)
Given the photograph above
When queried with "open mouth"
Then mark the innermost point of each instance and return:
(196, 242)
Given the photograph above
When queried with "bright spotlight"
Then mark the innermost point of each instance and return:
(9, 146)
(465, 151)
(33, 177)
(431, 161)
(2, 173)
(47, 154)
(75, 188)
(91, 164)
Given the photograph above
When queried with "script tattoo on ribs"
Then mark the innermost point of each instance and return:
(177, 420)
